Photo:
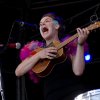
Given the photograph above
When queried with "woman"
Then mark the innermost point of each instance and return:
(63, 83)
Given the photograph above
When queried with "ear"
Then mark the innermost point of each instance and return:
(56, 24)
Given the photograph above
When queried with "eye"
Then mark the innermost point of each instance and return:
(47, 20)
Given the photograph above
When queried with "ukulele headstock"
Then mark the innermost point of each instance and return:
(94, 26)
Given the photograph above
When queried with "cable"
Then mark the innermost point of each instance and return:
(97, 8)
(95, 17)
(8, 39)
(71, 18)
(57, 4)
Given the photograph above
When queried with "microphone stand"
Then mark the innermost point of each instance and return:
(1, 52)
(1, 89)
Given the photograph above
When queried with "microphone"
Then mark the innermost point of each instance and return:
(22, 23)
(12, 45)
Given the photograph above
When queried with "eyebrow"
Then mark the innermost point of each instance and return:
(46, 19)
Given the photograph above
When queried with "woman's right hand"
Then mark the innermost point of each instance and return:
(50, 53)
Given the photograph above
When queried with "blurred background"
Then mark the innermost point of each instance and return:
(19, 21)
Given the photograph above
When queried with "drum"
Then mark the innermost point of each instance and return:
(90, 95)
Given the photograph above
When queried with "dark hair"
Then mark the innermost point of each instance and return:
(59, 19)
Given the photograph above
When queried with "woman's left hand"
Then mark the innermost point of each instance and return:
(83, 34)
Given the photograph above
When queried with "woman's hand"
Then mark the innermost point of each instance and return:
(50, 53)
(83, 34)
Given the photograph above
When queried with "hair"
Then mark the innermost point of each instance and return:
(59, 19)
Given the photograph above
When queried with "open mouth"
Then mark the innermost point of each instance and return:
(44, 29)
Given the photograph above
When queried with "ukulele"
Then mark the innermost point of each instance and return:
(45, 66)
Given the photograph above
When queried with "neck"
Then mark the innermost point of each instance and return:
(51, 40)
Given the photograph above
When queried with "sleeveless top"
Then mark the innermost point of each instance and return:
(61, 83)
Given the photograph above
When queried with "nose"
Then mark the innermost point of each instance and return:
(43, 23)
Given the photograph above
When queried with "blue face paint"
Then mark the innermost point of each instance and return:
(55, 22)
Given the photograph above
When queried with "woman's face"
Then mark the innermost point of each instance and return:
(47, 27)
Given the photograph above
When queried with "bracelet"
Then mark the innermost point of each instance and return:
(80, 44)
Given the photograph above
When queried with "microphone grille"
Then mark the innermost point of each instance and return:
(18, 45)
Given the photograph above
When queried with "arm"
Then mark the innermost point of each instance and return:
(29, 62)
(26, 65)
(78, 62)
(25, 53)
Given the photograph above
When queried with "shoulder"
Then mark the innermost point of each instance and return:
(28, 48)
(33, 45)
(71, 46)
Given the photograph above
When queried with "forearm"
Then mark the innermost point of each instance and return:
(78, 62)
(26, 65)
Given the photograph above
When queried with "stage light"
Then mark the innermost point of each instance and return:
(87, 57)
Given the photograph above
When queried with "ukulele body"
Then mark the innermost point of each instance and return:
(45, 66)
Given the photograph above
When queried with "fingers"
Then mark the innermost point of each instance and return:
(51, 56)
(83, 32)
(51, 52)
(87, 31)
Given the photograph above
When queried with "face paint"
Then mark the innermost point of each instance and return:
(55, 22)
